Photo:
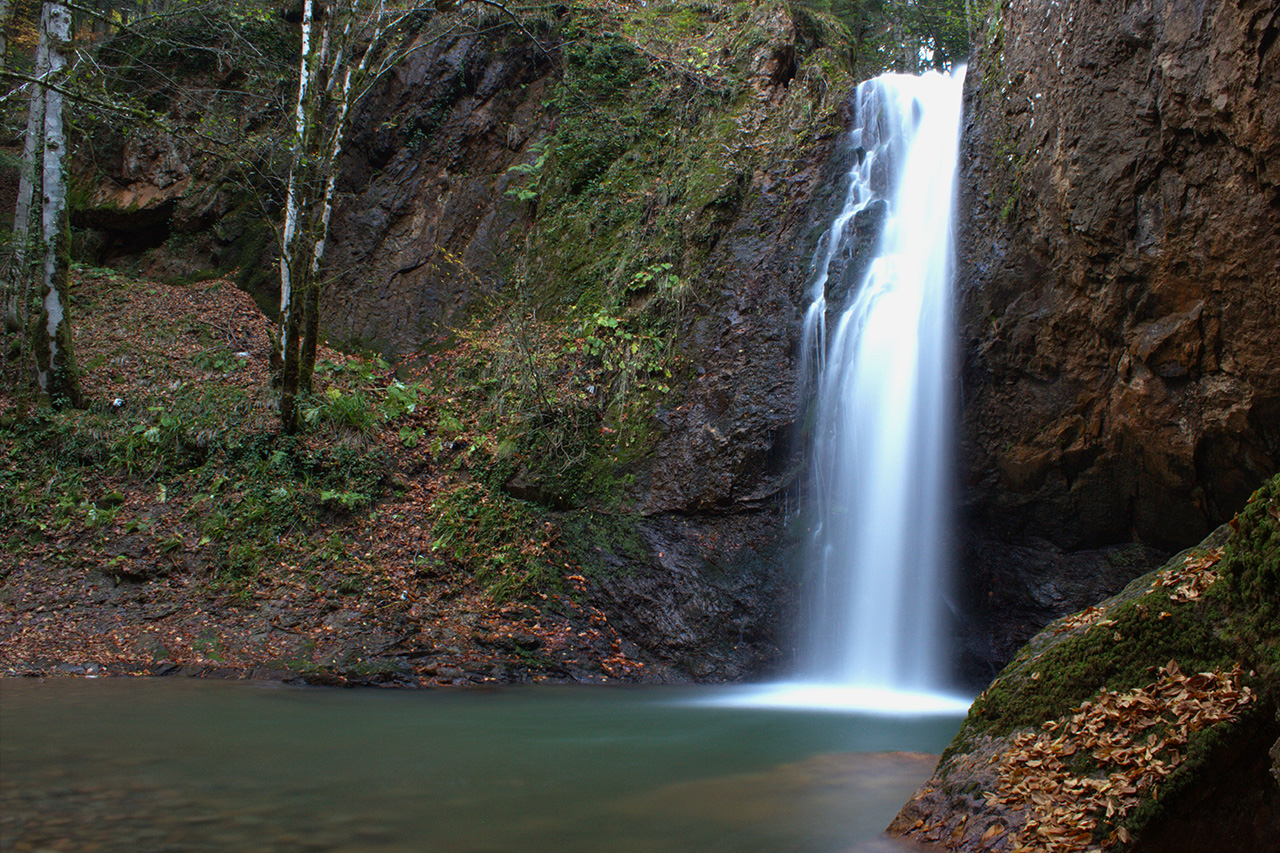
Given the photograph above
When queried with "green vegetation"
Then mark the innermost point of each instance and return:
(896, 36)
(543, 405)
(505, 540)
(540, 409)
(184, 471)
(1251, 568)
(519, 411)
(1113, 657)
(237, 497)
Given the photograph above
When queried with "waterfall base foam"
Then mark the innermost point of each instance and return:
(818, 696)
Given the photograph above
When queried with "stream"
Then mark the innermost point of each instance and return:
(186, 765)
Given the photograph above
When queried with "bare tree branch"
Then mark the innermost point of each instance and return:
(77, 96)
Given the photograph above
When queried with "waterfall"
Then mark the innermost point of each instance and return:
(877, 367)
(881, 380)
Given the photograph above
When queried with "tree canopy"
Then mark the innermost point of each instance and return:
(898, 35)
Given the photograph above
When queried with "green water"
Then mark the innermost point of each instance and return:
(187, 765)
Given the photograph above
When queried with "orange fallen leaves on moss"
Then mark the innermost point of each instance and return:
(1188, 581)
(1137, 738)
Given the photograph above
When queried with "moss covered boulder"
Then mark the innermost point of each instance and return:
(1148, 722)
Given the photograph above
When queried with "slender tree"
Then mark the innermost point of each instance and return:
(55, 360)
(17, 278)
(6, 12)
(40, 258)
(346, 46)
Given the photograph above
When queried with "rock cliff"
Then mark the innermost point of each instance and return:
(1120, 279)
(424, 225)
(1120, 230)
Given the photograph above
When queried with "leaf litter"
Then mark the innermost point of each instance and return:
(120, 582)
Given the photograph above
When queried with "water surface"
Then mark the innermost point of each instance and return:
(185, 765)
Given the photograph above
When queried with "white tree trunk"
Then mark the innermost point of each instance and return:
(328, 78)
(18, 280)
(6, 10)
(54, 188)
(55, 363)
(297, 156)
(331, 182)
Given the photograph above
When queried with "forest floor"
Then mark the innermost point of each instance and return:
(168, 526)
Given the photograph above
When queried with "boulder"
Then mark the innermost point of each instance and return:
(1148, 722)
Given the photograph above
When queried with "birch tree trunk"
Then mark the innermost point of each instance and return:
(325, 78)
(51, 340)
(294, 228)
(346, 44)
(17, 279)
(6, 12)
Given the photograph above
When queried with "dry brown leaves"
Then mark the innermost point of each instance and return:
(1137, 738)
(1182, 583)
(1189, 581)
(1083, 619)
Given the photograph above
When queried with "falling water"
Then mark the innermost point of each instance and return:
(879, 370)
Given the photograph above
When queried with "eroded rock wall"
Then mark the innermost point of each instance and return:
(425, 225)
(1120, 280)
(718, 493)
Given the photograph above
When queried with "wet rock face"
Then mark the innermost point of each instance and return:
(711, 604)
(1120, 275)
(425, 224)
(1023, 587)
(718, 602)
(730, 442)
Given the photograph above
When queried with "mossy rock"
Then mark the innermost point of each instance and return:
(1251, 566)
(1157, 702)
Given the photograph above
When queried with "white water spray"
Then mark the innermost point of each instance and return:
(880, 382)
(882, 422)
